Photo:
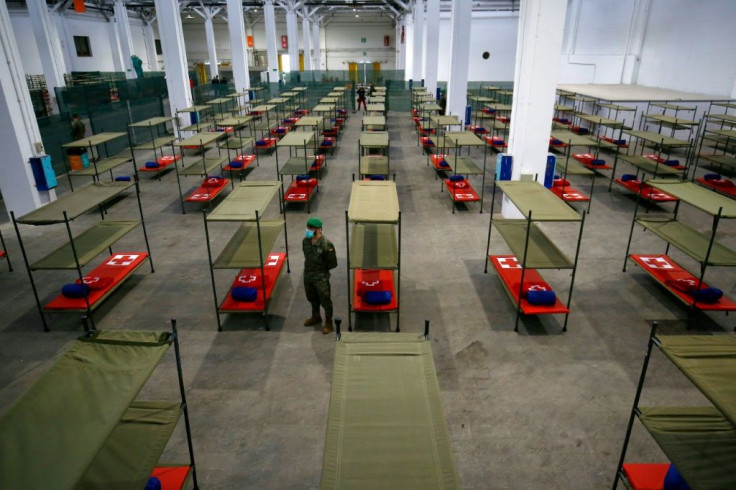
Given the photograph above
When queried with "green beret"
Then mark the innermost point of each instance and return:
(314, 222)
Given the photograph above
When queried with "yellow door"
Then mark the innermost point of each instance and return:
(376, 70)
(281, 69)
(353, 71)
(301, 61)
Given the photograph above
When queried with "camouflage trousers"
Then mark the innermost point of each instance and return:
(318, 293)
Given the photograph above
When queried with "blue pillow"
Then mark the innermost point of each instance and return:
(327, 143)
(598, 161)
(444, 163)
(153, 484)
(479, 128)
(429, 142)
(302, 177)
(619, 142)
(712, 176)
(672, 163)
(122, 178)
(74, 290)
(563, 120)
(456, 178)
(261, 143)
(377, 297)
(707, 295)
(582, 131)
(628, 177)
(541, 298)
(377, 177)
(235, 164)
(243, 293)
(555, 141)
(673, 480)
(152, 165)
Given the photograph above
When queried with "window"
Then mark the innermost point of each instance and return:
(82, 45)
(158, 46)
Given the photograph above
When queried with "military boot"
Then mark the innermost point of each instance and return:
(315, 319)
(328, 326)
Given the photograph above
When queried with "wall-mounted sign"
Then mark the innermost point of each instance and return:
(386, 40)
(250, 41)
(285, 42)
(362, 39)
(79, 6)
(402, 34)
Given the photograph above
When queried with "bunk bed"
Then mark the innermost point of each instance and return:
(371, 123)
(197, 115)
(374, 249)
(386, 424)
(532, 249)
(458, 187)
(90, 290)
(97, 165)
(302, 188)
(240, 162)
(81, 425)
(159, 139)
(249, 250)
(373, 153)
(700, 441)
(660, 143)
(703, 248)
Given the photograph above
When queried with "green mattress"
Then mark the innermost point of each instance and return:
(102, 166)
(374, 202)
(75, 203)
(242, 250)
(704, 199)
(386, 424)
(542, 253)
(204, 168)
(533, 196)
(649, 165)
(245, 200)
(374, 246)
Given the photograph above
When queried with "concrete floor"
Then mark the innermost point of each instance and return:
(527, 410)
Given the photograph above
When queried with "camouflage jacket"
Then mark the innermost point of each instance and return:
(319, 257)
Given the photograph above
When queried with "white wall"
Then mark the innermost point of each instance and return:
(343, 44)
(26, 41)
(690, 45)
(495, 33)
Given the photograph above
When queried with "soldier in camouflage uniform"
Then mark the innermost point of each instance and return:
(319, 259)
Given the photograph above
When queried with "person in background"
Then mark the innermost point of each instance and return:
(361, 98)
(319, 259)
(443, 103)
(78, 129)
(216, 80)
(371, 89)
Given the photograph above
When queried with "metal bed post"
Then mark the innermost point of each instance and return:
(263, 271)
(398, 281)
(631, 231)
(178, 180)
(30, 272)
(490, 225)
(184, 407)
(634, 409)
(286, 245)
(212, 271)
(674, 217)
(523, 270)
(79, 267)
(574, 269)
(704, 264)
(483, 178)
(347, 263)
(143, 225)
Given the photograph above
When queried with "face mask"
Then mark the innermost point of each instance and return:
(309, 233)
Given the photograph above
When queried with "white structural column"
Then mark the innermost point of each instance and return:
(61, 52)
(408, 46)
(150, 41)
(306, 34)
(457, 82)
(271, 49)
(236, 27)
(126, 40)
(117, 54)
(317, 48)
(400, 48)
(208, 14)
(49, 49)
(418, 39)
(432, 46)
(175, 57)
(20, 138)
(635, 41)
(292, 32)
(541, 26)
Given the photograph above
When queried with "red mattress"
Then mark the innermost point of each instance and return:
(300, 191)
(495, 141)
(509, 271)
(426, 141)
(328, 143)
(373, 280)
(246, 159)
(118, 267)
(332, 133)
(266, 143)
(318, 163)
(163, 163)
(666, 161)
(171, 477)
(724, 186)
(643, 476)
(426, 131)
(587, 160)
(461, 191)
(647, 192)
(208, 190)
(567, 193)
(665, 270)
(620, 143)
(477, 129)
(279, 131)
(252, 278)
(557, 143)
(437, 160)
